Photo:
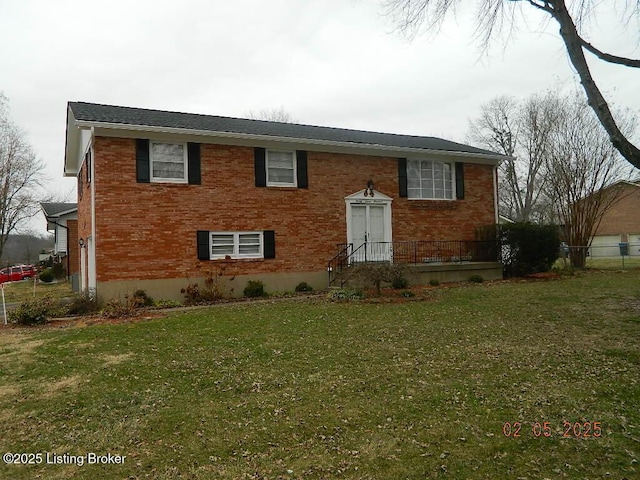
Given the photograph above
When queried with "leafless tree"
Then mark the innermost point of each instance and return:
(521, 131)
(272, 115)
(582, 169)
(20, 176)
(571, 17)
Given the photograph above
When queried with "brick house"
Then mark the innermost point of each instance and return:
(165, 196)
(620, 223)
(62, 220)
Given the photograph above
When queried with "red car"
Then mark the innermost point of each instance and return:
(17, 273)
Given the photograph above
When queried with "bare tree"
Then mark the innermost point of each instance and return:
(272, 115)
(582, 168)
(521, 131)
(20, 175)
(571, 17)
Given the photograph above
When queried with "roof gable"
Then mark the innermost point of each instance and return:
(57, 209)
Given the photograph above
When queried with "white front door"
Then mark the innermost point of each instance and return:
(368, 225)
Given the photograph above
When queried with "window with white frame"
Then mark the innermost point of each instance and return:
(281, 168)
(427, 179)
(236, 244)
(168, 162)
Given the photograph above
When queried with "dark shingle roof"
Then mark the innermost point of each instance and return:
(54, 209)
(91, 112)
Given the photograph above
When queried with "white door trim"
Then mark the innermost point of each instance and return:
(378, 199)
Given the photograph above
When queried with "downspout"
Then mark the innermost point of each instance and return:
(495, 194)
(94, 242)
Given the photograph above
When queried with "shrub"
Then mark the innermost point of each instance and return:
(166, 303)
(141, 299)
(476, 279)
(47, 276)
(434, 282)
(191, 294)
(58, 270)
(343, 294)
(213, 290)
(399, 283)
(36, 311)
(528, 248)
(83, 303)
(304, 287)
(254, 288)
(117, 309)
(376, 273)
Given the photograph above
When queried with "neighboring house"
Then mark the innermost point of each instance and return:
(165, 197)
(620, 223)
(62, 220)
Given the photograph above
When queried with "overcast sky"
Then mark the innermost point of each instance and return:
(327, 62)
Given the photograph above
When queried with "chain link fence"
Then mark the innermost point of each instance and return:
(607, 255)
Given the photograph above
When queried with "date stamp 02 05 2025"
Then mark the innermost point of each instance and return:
(545, 429)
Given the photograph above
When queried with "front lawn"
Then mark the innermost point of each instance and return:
(24, 290)
(313, 389)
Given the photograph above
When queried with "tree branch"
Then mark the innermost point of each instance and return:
(573, 43)
(627, 62)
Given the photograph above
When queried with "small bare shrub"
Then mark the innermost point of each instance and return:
(377, 272)
(213, 289)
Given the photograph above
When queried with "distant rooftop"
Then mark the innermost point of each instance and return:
(52, 210)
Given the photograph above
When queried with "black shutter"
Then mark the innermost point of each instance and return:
(269, 238)
(193, 160)
(459, 181)
(203, 245)
(301, 168)
(143, 174)
(402, 177)
(260, 166)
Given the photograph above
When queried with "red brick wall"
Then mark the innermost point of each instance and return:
(148, 231)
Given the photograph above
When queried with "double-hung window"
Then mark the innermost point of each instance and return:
(431, 180)
(236, 244)
(281, 168)
(168, 162)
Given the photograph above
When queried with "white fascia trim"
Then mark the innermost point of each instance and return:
(478, 158)
(63, 213)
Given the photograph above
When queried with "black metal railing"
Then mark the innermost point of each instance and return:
(414, 252)
(338, 263)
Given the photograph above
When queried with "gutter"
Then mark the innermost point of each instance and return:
(83, 124)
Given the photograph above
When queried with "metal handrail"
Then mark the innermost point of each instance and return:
(413, 252)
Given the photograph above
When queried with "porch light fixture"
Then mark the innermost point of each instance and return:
(81, 242)
(369, 190)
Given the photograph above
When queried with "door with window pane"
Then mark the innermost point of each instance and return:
(368, 225)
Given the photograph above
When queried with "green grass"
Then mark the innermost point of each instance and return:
(312, 389)
(21, 291)
(613, 263)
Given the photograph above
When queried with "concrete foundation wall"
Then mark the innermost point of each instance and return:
(423, 274)
(169, 289)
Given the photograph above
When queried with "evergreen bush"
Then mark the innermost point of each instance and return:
(528, 248)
